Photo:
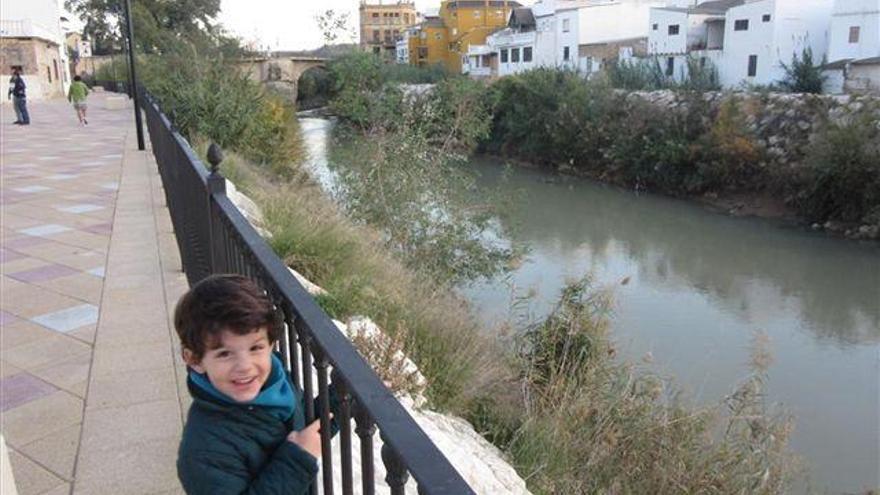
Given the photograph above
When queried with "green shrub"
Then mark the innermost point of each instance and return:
(584, 422)
(357, 78)
(648, 75)
(314, 89)
(410, 74)
(552, 116)
(214, 100)
(637, 75)
(843, 170)
(729, 153)
(803, 75)
(114, 70)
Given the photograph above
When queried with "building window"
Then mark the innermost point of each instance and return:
(654, 26)
(49, 73)
(565, 53)
(504, 56)
(527, 54)
(514, 54)
(375, 15)
(423, 52)
(476, 13)
(753, 65)
(673, 29)
(376, 35)
(741, 25)
(455, 31)
(437, 36)
(55, 63)
(765, 18)
(670, 66)
(702, 62)
(565, 25)
(854, 34)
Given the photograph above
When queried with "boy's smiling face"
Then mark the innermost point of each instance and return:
(237, 365)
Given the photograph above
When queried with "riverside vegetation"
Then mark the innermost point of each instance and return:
(551, 394)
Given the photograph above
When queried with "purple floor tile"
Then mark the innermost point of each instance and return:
(22, 388)
(43, 273)
(7, 318)
(100, 229)
(23, 242)
(7, 255)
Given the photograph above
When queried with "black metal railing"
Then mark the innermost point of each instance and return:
(214, 237)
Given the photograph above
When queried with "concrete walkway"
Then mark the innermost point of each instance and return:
(90, 391)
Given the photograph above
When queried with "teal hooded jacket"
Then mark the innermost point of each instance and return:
(232, 448)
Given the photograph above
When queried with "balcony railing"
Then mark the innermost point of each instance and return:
(214, 237)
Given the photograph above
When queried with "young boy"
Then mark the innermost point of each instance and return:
(246, 430)
(77, 95)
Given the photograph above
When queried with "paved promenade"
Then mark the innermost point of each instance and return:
(90, 392)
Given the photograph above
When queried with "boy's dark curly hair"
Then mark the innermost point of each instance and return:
(223, 302)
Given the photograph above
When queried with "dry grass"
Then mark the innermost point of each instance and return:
(572, 418)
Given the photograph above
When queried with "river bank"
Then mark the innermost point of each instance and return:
(747, 204)
(698, 286)
(807, 159)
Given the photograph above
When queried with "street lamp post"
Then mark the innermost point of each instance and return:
(133, 86)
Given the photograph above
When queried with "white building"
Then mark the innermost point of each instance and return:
(854, 47)
(576, 34)
(761, 36)
(677, 32)
(32, 41)
(509, 50)
(613, 31)
(747, 40)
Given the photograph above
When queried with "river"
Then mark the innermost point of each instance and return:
(700, 285)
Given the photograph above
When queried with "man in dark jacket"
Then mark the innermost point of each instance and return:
(17, 91)
(246, 430)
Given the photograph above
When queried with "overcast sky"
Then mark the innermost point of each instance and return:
(290, 24)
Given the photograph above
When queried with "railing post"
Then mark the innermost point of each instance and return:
(344, 422)
(216, 185)
(395, 471)
(365, 428)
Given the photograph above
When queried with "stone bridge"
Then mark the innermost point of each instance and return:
(280, 73)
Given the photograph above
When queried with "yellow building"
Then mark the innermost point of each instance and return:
(445, 38)
(382, 24)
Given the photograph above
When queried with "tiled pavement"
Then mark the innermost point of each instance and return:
(89, 382)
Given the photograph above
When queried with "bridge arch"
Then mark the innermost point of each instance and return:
(280, 73)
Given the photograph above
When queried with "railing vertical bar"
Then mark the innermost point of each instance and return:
(324, 415)
(344, 422)
(364, 427)
(292, 346)
(305, 343)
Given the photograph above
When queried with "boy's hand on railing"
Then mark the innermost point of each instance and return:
(309, 438)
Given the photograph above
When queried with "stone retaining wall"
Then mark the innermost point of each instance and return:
(781, 123)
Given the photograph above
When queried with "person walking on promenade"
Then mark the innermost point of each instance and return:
(17, 91)
(77, 95)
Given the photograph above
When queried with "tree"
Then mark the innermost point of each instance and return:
(101, 18)
(159, 25)
(802, 76)
(333, 25)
